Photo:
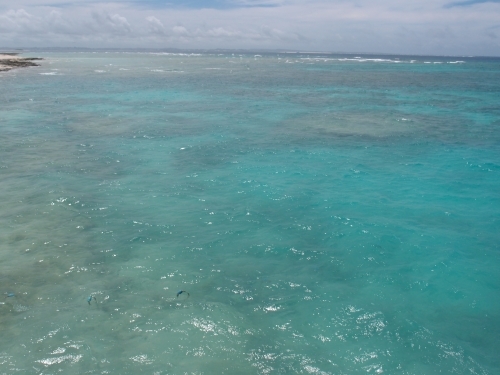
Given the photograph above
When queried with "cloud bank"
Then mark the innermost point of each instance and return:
(388, 26)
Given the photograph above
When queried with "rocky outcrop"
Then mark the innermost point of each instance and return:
(10, 61)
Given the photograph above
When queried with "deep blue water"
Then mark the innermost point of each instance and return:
(326, 214)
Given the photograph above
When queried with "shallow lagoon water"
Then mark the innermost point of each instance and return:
(327, 214)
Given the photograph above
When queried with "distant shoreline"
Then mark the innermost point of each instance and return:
(244, 51)
(9, 61)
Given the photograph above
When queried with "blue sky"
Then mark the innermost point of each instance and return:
(469, 3)
(462, 27)
(214, 4)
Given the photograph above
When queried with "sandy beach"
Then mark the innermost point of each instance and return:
(10, 61)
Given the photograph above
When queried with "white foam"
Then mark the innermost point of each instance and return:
(174, 54)
(56, 360)
(356, 59)
(50, 74)
(100, 71)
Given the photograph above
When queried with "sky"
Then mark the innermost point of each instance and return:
(422, 27)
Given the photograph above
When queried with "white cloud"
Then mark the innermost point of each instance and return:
(180, 31)
(155, 26)
(17, 21)
(277, 34)
(111, 23)
(218, 32)
(395, 26)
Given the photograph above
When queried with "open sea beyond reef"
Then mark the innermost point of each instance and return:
(327, 214)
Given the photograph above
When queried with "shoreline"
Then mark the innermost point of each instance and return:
(9, 61)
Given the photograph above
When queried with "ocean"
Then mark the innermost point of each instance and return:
(321, 214)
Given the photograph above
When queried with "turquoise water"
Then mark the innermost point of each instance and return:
(327, 214)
